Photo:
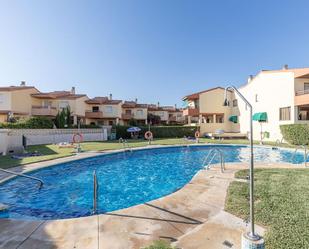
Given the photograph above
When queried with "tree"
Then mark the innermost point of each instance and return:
(132, 122)
(153, 119)
(64, 118)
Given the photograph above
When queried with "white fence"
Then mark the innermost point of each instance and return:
(11, 140)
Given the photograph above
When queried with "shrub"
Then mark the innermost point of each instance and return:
(31, 123)
(297, 134)
(158, 131)
(160, 244)
(64, 118)
(85, 126)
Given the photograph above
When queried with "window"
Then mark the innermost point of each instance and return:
(110, 122)
(46, 103)
(285, 113)
(95, 109)
(306, 87)
(63, 104)
(108, 109)
(220, 118)
(139, 112)
(235, 103)
(129, 112)
(209, 119)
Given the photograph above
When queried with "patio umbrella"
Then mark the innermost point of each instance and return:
(133, 129)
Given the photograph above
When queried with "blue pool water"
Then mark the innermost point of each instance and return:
(125, 179)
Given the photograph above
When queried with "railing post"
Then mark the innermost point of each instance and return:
(95, 192)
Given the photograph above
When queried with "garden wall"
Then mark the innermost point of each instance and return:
(11, 140)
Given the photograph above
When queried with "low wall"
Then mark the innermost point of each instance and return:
(11, 140)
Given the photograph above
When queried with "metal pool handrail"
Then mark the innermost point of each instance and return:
(305, 153)
(23, 175)
(95, 192)
(126, 145)
(222, 158)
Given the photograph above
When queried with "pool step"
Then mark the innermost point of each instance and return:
(3, 207)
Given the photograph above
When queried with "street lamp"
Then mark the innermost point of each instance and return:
(251, 235)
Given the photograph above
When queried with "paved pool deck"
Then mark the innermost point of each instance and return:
(191, 218)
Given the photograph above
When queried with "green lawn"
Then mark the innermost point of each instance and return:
(50, 152)
(281, 204)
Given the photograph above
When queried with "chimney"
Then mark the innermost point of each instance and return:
(250, 78)
(110, 96)
(158, 104)
(73, 90)
(136, 100)
(285, 67)
(23, 83)
(175, 106)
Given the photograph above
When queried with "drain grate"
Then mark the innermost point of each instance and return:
(227, 243)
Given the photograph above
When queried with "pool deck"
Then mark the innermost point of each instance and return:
(191, 218)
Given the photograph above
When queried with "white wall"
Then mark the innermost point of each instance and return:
(12, 139)
(5, 101)
(274, 90)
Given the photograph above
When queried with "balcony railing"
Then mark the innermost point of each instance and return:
(302, 92)
(94, 114)
(191, 112)
(127, 116)
(44, 111)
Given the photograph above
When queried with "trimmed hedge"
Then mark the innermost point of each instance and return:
(31, 123)
(158, 131)
(297, 134)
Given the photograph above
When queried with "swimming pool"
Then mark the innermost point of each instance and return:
(125, 179)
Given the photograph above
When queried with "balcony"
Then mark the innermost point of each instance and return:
(127, 116)
(96, 114)
(44, 111)
(172, 119)
(301, 97)
(191, 112)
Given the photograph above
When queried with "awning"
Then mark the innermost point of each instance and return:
(260, 116)
(233, 119)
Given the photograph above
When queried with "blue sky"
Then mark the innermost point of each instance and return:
(153, 50)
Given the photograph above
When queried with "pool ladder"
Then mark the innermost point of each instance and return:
(23, 175)
(125, 144)
(304, 147)
(211, 156)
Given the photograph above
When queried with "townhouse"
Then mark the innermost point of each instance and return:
(26, 101)
(133, 110)
(103, 111)
(50, 103)
(278, 97)
(206, 110)
(167, 114)
(16, 101)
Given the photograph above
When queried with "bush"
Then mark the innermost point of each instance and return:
(31, 123)
(86, 126)
(160, 244)
(297, 134)
(158, 131)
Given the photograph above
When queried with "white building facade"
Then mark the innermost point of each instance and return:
(282, 94)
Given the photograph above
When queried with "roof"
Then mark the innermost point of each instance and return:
(103, 101)
(15, 88)
(196, 95)
(58, 95)
(163, 108)
(133, 104)
(298, 72)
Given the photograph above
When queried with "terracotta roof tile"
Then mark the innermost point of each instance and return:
(103, 101)
(15, 88)
(196, 95)
(58, 95)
